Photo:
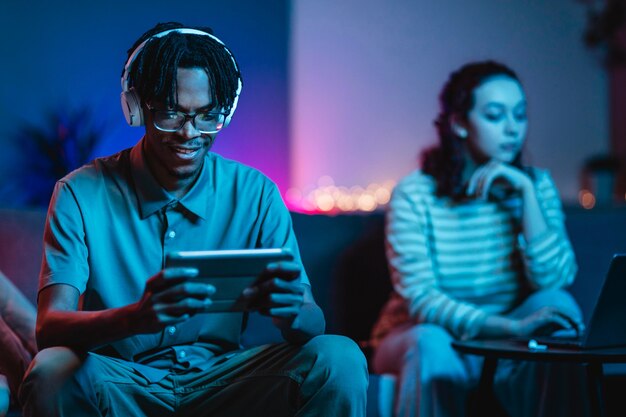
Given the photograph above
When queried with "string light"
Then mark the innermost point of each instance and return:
(586, 199)
(329, 198)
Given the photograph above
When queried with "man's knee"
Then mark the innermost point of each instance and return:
(338, 358)
(53, 364)
(47, 372)
(336, 351)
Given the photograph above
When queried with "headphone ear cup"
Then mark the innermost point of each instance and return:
(232, 111)
(235, 101)
(131, 106)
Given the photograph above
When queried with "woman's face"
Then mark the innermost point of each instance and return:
(496, 125)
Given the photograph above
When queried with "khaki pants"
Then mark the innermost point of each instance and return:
(325, 377)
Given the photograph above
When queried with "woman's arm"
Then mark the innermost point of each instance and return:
(414, 272)
(547, 252)
(544, 244)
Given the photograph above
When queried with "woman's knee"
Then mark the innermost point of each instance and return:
(557, 298)
(428, 341)
(413, 348)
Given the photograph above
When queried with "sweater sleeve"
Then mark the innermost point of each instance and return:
(412, 268)
(549, 258)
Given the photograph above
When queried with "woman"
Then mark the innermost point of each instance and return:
(17, 340)
(477, 249)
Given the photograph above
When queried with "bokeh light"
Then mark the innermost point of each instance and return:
(586, 199)
(328, 198)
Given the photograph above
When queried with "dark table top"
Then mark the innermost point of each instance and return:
(515, 349)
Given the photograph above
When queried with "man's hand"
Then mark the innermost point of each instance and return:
(170, 297)
(278, 293)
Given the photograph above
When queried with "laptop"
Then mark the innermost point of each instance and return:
(607, 324)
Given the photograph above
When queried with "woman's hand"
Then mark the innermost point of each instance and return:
(484, 177)
(545, 321)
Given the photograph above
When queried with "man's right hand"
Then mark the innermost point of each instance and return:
(170, 297)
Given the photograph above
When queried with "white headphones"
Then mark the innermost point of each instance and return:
(131, 103)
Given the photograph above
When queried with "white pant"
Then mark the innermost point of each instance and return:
(434, 380)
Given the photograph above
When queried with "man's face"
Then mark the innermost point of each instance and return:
(497, 123)
(178, 156)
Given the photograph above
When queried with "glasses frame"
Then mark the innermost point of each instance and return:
(186, 116)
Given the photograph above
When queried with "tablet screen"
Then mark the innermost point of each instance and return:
(229, 271)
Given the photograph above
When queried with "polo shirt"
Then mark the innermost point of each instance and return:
(110, 225)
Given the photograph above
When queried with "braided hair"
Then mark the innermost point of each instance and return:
(445, 162)
(153, 72)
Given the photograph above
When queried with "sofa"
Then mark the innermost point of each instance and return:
(345, 260)
(324, 257)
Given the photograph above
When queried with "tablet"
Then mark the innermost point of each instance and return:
(229, 271)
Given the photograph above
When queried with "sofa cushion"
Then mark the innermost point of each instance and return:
(21, 247)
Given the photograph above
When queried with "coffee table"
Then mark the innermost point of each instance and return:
(591, 359)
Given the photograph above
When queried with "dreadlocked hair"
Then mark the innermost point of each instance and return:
(153, 72)
(445, 162)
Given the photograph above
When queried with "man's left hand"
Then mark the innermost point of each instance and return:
(279, 293)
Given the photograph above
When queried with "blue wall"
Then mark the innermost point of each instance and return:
(66, 54)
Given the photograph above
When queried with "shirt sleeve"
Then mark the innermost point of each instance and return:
(549, 258)
(413, 273)
(277, 227)
(64, 250)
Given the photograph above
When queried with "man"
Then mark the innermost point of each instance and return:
(130, 337)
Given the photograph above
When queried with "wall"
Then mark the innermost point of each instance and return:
(350, 86)
(366, 74)
(70, 54)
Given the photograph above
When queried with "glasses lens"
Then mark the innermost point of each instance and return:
(209, 122)
(206, 122)
(168, 120)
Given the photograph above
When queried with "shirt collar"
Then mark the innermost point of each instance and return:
(152, 197)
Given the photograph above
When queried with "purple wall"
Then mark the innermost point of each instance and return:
(366, 75)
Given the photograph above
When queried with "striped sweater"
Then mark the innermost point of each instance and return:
(454, 264)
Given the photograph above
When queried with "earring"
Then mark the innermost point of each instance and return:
(460, 131)
(457, 127)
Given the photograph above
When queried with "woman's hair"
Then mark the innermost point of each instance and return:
(445, 162)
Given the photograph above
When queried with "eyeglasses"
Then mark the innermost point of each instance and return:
(172, 121)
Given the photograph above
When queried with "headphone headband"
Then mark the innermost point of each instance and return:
(131, 102)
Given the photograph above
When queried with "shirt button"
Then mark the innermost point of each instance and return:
(182, 354)
(171, 330)
(172, 234)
